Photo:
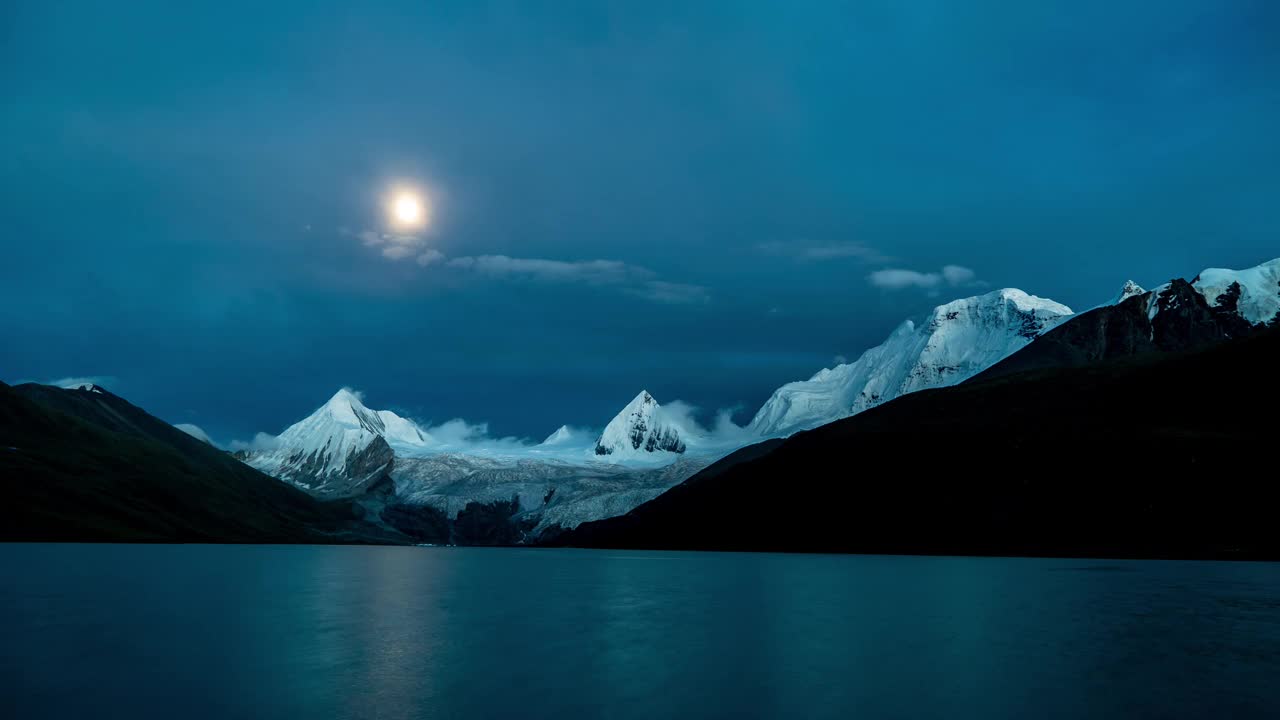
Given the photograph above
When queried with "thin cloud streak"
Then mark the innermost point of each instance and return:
(902, 279)
(631, 279)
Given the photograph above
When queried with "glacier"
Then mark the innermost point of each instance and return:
(347, 450)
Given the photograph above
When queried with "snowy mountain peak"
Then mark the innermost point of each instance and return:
(87, 387)
(1021, 301)
(641, 427)
(959, 339)
(346, 408)
(1253, 293)
(1128, 290)
(340, 448)
(561, 436)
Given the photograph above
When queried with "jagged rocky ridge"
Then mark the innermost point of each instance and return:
(1146, 455)
(963, 338)
(1178, 316)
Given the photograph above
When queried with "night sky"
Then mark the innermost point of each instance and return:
(703, 201)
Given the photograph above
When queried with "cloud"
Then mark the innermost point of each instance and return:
(631, 279)
(398, 252)
(722, 430)
(430, 256)
(818, 252)
(957, 275)
(194, 431)
(896, 279)
(843, 250)
(459, 435)
(589, 271)
(672, 293)
(260, 442)
(900, 279)
(840, 360)
(395, 246)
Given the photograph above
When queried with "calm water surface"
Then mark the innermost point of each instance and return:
(351, 632)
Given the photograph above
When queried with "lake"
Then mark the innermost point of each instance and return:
(197, 631)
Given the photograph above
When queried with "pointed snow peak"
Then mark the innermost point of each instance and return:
(644, 398)
(1128, 290)
(562, 435)
(640, 428)
(341, 448)
(346, 398)
(346, 408)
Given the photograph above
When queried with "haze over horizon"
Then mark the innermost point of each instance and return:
(704, 202)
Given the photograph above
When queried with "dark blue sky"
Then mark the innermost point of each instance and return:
(184, 192)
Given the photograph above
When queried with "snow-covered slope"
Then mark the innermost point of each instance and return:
(956, 341)
(642, 428)
(562, 436)
(340, 449)
(1259, 300)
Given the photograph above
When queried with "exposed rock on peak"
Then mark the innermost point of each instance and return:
(1130, 289)
(641, 427)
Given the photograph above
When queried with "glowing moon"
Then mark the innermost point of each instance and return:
(408, 210)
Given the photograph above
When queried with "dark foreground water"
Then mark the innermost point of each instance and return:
(337, 632)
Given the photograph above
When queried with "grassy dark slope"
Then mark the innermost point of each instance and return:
(1162, 455)
(77, 465)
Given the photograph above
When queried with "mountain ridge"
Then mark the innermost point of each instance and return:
(1072, 470)
(956, 340)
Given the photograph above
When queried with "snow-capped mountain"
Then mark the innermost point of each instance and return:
(563, 435)
(345, 449)
(1255, 292)
(642, 428)
(341, 449)
(957, 340)
(1178, 316)
(1128, 290)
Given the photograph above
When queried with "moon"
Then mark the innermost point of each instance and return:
(408, 210)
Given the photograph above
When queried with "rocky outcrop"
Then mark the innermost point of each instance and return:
(1172, 318)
